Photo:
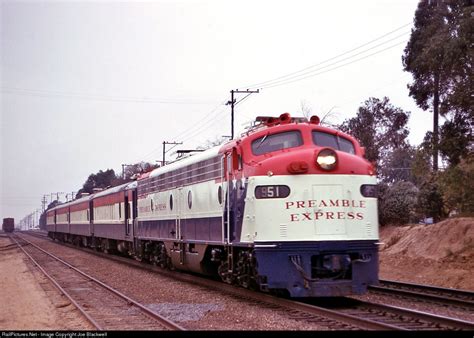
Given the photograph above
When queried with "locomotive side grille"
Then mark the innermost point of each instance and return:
(368, 228)
(191, 174)
(283, 230)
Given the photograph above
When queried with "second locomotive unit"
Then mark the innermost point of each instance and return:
(288, 207)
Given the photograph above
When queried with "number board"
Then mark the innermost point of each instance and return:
(272, 191)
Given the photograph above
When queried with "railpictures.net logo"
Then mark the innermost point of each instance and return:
(12, 334)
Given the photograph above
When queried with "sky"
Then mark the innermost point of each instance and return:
(92, 85)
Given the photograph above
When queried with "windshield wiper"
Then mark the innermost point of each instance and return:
(263, 139)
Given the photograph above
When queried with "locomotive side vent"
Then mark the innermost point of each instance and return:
(283, 230)
(368, 228)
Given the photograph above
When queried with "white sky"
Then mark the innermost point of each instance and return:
(87, 86)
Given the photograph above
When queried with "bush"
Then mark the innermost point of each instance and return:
(456, 184)
(430, 200)
(397, 203)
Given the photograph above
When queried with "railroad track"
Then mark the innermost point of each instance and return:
(402, 318)
(292, 309)
(339, 314)
(450, 297)
(104, 307)
(36, 233)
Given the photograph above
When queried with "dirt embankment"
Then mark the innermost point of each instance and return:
(439, 254)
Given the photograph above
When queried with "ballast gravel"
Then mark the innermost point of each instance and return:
(194, 307)
(183, 312)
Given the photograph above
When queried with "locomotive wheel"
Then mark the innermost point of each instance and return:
(224, 273)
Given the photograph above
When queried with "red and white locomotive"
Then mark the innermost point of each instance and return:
(290, 207)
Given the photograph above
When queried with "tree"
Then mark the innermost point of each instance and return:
(132, 171)
(380, 128)
(210, 143)
(420, 166)
(455, 138)
(306, 109)
(106, 179)
(326, 118)
(439, 57)
(398, 165)
(396, 203)
(430, 200)
(102, 180)
(456, 184)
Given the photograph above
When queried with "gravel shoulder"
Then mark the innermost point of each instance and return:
(28, 300)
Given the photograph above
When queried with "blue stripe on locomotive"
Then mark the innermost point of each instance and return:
(201, 229)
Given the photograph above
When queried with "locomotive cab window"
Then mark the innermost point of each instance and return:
(274, 142)
(330, 140)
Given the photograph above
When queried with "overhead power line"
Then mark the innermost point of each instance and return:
(209, 116)
(205, 122)
(305, 70)
(303, 74)
(165, 143)
(211, 125)
(83, 96)
(233, 103)
(207, 126)
(330, 69)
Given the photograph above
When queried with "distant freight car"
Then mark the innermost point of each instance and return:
(8, 224)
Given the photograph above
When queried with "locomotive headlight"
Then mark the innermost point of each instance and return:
(327, 159)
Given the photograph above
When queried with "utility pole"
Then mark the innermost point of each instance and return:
(30, 221)
(57, 195)
(37, 211)
(43, 203)
(72, 196)
(123, 169)
(164, 150)
(233, 103)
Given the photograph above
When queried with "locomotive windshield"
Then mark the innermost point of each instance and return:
(330, 140)
(274, 142)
